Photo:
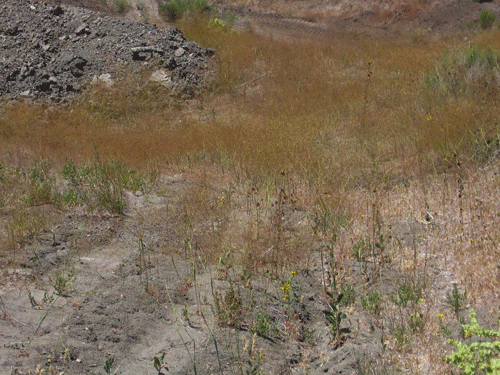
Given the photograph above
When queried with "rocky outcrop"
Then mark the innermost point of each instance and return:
(52, 52)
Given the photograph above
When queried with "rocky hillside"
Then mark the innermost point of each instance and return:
(53, 51)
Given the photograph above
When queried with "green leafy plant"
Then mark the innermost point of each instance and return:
(486, 18)
(334, 319)
(477, 356)
(263, 324)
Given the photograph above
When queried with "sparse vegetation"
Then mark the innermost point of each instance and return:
(355, 162)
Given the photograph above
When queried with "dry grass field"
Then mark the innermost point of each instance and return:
(339, 161)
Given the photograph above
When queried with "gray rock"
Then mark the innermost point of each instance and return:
(163, 78)
(51, 53)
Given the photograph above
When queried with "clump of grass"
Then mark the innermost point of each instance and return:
(101, 185)
(373, 303)
(467, 71)
(24, 225)
(486, 18)
(123, 6)
(174, 10)
(40, 184)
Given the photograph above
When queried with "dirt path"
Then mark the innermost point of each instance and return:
(98, 306)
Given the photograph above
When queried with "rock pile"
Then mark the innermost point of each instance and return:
(52, 52)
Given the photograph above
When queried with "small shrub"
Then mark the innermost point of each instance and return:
(486, 18)
(64, 282)
(263, 325)
(478, 356)
(174, 10)
(228, 309)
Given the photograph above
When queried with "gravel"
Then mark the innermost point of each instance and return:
(52, 52)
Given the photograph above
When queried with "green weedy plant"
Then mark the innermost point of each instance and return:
(263, 325)
(456, 301)
(158, 363)
(101, 184)
(407, 293)
(174, 10)
(478, 356)
(122, 5)
(228, 308)
(39, 184)
(373, 303)
(216, 22)
(360, 249)
(349, 294)
(464, 71)
(334, 319)
(486, 18)
(109, 364)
